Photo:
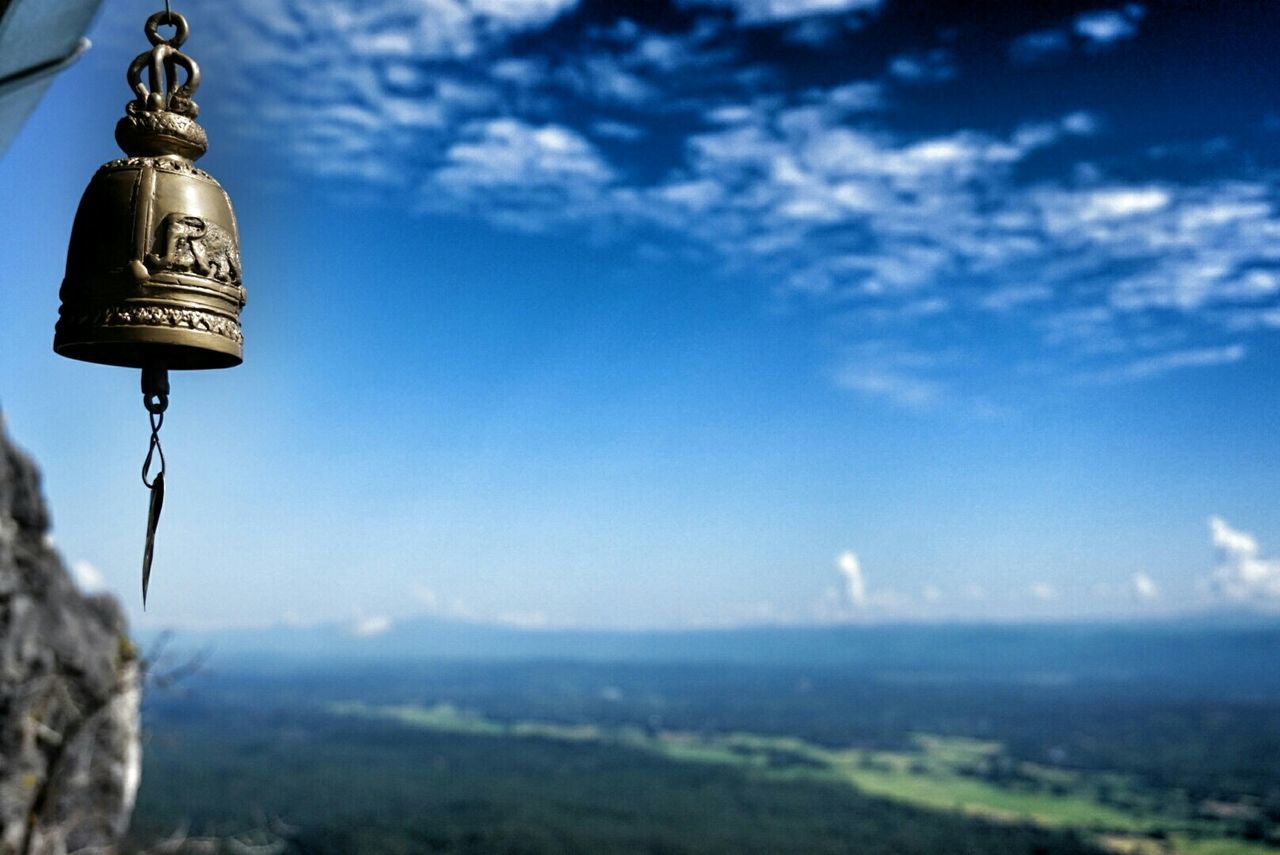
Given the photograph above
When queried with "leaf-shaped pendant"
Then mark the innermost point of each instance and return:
(153, 518)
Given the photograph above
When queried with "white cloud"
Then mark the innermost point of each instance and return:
(1144, 587)
(1010, 297)
(855, 584)
(88, 577)
(510, 153)
(1123, 202)
(1232, 541)
(814, 190)
(520, 14)
(437, 604)
(368, 627)
(1108, 26)
(1162, 363)
(1040, 45)
(775, 11)
(387, 29)
(524, 620)
(1097, 29)
(526, 176)
(859, 96)
(425, 596)
(901, 376)
(934, 66)
(908, 213)
(617, 130)
(1163, 248)
(896, 385)
(1043, 591)
(604, 80)
(1081, 123)
(931, 593)
(1242, 575)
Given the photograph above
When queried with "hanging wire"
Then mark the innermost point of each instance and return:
(155, 398)
(167, 10)
(153, 449)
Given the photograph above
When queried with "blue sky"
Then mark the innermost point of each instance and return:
(691, 312)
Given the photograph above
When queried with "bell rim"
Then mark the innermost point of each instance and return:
(137, 346)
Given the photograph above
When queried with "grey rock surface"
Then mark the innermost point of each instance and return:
(70, 755)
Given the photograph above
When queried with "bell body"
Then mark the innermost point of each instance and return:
(153, 270)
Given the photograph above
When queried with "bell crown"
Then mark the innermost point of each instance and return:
(161, 120)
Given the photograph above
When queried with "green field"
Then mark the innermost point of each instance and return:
(545, 758)
(957, 775)
(433, 780)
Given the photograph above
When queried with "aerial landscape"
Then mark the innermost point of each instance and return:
(900, 739)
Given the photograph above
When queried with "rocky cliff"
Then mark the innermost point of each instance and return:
(69, 689)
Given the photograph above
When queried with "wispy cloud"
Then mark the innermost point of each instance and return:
(1093, 30)
(895, 372)
(1242, 575)
(1174, 360)
(774, 11)
(933, 66)
(825, 188)
(896, 385)
(1039, 45)
(520, 174)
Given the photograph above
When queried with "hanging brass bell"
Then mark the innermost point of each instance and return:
(153, 270)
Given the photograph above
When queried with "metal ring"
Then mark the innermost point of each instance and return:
(160, 19)
(155, 403)
(154, 448)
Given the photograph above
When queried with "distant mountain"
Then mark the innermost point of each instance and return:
(1205, 653)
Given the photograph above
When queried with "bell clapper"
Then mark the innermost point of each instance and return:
(155, 397)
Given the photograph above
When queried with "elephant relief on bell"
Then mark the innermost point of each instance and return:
(192, 244)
